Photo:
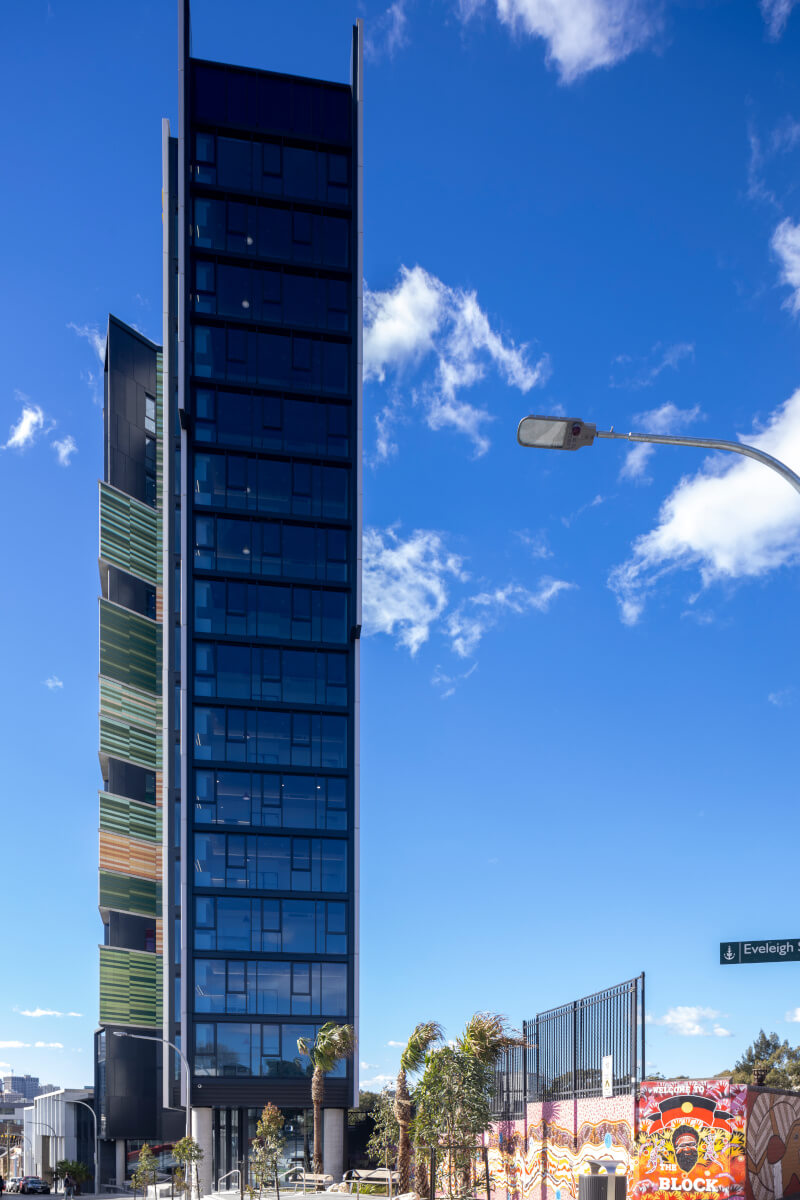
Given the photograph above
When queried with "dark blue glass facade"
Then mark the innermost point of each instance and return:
(264, 559)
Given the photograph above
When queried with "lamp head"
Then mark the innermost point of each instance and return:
(554, 433)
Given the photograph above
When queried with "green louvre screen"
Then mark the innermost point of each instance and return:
(130, 987)
(129, 647)
(129, 818)
(129, 534)
(130, 743)
(126, 893)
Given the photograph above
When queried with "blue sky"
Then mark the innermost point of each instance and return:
(580, 675)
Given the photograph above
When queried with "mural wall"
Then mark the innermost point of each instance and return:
(561, 1137)
(691, 1139)
(773, 1145)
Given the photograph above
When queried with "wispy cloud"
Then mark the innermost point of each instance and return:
(406, 583)
(783, 698)
(95, 338)
(793, 1015)
(388, 33)
(378, 1082)
(593, 503)
(478, 614)
(732, 520)
(365, 1066)
(786, 248)
(28, 426)
(776, 14)
(449, 683)
(14, 1045)
(580, 35)
(45, 1012)
(396, 1044)
(65, 448)
(54, 684)
(534, 543)
(689, 1020)
(422, 318)
(666, 419)
(49, 1045)
(643, 372)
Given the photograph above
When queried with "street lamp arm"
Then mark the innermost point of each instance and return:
(709, 444)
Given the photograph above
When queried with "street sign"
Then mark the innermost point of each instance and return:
(607, 1076)
(774, 950)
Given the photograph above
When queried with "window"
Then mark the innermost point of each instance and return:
(235, 986)
(233, 861)
(247, 547)
(272, 423)
(288, 801)
(239, 1049)
(299, 489)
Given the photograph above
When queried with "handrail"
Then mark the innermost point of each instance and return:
(227, 1174)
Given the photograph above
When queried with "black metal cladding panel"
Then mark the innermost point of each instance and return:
(255, 1093)
(132, 375)
(132, 782)
(261, 100)
(132, 1095)
(131, 592)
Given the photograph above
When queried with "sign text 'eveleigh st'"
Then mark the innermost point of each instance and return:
(767, 950)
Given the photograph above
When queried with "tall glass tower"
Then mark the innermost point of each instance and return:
(254, 621)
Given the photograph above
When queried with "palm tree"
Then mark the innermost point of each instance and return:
(424, 1036)
(332, 1044)
(486, 1037)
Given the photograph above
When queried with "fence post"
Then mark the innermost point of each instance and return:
(433, 1174)
(486, 1165)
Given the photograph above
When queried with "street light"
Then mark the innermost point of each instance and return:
(144, 1037)
(83, 1104)
(45, 1125)
(568, 433)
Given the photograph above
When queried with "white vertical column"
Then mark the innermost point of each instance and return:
(203, 1134)
(333, 1142)
(119, 1164)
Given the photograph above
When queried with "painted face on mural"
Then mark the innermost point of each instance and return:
(685, 1142)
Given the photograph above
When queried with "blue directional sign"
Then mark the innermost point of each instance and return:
(765, 950)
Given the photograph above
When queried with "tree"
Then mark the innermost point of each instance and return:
(266, 1148)
(78, 1171)
(189, 1155)
(453, 1110)
(146, 1169)
(332, 1044)
(383, 1141)
(424, 1036)
(778, 1059)
(486, 1037)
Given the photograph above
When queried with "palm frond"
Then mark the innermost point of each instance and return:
(332, 1043)
(486, 1036)
(424, 1035)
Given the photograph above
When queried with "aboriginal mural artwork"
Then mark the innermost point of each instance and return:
(692, 1139)
(773, 1145)
(561, 1137)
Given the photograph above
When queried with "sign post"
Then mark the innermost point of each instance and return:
(766, 950)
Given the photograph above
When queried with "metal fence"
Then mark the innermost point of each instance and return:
(562, 1059)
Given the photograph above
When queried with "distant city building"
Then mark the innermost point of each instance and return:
(230, 555)
(27, 1085)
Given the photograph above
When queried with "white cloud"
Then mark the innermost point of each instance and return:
(365, 1066)
(535, 543)
(94, 337)
(643, 372)
(14, 1045)
(794, 1015)
(786, 246)
(666, 419)
(689, 1020)
(449, 683)
(476, 615)
(593, 503)
(49, 1045)
(388, 33)
(378, 1082)
(27, 428)
(65, 448)
(776, 14)
(732, 520)
(397, 1044)
(405, 583)
(783, 697)
(581, 35)
(422, 316)
(45, 1012)
(54, 684)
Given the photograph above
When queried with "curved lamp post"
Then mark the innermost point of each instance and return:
(568, 433)
(144, 1037)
